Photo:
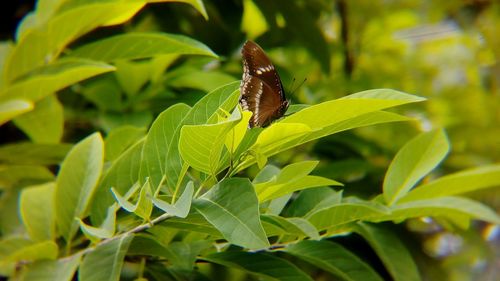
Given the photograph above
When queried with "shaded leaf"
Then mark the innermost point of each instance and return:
(260, 264)
(122, 174)
(333, 258)
(33, 154)
(391, 250)
(45, 123)
(120, 139)
(76, 183)
(60, 270)
(181, 207)
(105, 261)
(231, 206)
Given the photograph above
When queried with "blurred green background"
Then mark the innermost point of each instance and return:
(446, 51)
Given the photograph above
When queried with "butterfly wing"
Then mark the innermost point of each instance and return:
(261, 88)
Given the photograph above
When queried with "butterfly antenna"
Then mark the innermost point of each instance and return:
(300, 85)
(292, 83)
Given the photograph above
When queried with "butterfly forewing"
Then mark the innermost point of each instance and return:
(261, 88)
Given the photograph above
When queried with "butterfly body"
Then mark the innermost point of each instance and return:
(261, 88)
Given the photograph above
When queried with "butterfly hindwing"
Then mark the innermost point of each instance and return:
(261, 88)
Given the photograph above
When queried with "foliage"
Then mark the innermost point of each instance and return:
(148, 193)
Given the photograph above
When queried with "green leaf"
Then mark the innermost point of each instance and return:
(278, 134)
(236, 134)
(450, 207)
(311, 200)
(9, 109)
(13, 250)
(357, 110)
(141, 45)
(54, 77)
(60, 270)
(231, 206)
(45, 123)
(263, 265)
(253, 22)
(457, 183)
(333, 258)
(412, 162)
(12, 176)
(142, 207)
(201, 146)
(180, 255)
(181, 207)
(191, 77)
(120, 139)
(122, 174)
(34, 50)
(76, 183)
(345, 212)
(36, 207)
(197, 4)
(194, 222)
(293, 226)
(391, 250)
(28, 153)
(105, 230)
(106, 260)
(292, 178)
(161, 154)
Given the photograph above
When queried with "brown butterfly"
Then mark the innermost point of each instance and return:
(261, 89)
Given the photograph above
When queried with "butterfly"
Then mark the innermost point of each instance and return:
(261, 88)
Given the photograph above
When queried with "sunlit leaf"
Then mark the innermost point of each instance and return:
(9, 109)
(51, 78)
(161, 154)
(291, 178)
(253, 22)
(412, 162)
(141, 45)
(201, 146)
(457, 183)
(345, 212)
(448, 207)
(34, 50)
